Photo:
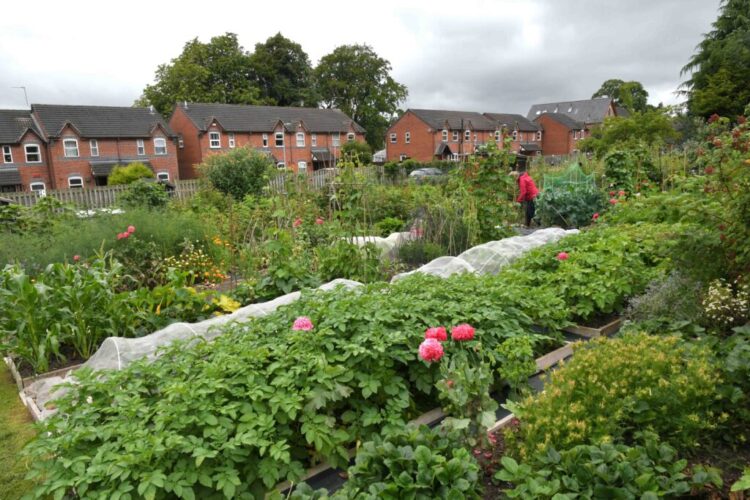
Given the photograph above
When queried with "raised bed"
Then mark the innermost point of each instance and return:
(592, 332)
(23, 382)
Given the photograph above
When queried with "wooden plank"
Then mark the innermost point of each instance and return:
(554, 357)
(14, 372)
(503, 422)
(588, 332)
(30, 405)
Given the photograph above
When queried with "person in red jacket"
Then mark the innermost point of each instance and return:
(528, 191)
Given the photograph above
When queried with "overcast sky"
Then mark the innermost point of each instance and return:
(498, 56)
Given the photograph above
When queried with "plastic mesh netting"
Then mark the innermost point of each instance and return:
(573, 175)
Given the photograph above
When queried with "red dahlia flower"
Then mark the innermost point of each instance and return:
(437, 333)
(462, 332)
(431, 350)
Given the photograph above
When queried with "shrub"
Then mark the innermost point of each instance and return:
(670, 300)
(142, 194)
(613, 388)
(418, 252)
(342, 259)
(129, 174)
(240, 172)
(389, 225)
(359, 152)
(569, 205)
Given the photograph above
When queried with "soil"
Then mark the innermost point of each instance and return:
(599, 320)
(71, 359)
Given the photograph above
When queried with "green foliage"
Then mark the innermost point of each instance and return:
(652, 128)
(570, 205)
(630, 95)
(282, 72)
(613, 388)
(720, 68)
(354, 79)
(287, 268)
(129, 173)
(413, 462)
(239, 173)
(141, 194)
(625, 169)
(418, 252)
(668, 303)
(218, 71)
(516, 362)
(388, 226)
(343, 259)
(359, 152)
(41, 218)
(649, 470)
(15, 431)
(742, 483)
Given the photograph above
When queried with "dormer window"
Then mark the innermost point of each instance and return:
(445, 135)
(279, 139)
(214, 140)
(300, 139)
(515, 135)
(70, 147)
(160, 146)
(497, 136)
(467, 135)
(350, 137)
(539, 135)
(33, 153)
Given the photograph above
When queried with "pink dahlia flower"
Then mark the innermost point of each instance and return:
(462, 332)
(621, 193)
(563, 256)
(297, 222)
(437, 333)
(595, 216)
(76, 258)
(613, 201)
(319, 221)
(131, 229)
(431, 350)
(302, 323)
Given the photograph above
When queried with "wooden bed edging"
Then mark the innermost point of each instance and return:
(589, 332)
(23, 382)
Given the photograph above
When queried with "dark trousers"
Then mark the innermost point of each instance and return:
(529, 211)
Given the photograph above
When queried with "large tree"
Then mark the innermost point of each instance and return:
(354, 79)
(650, 128)
(219, 71)
(720, 68)
(630, 95)
(283, 73)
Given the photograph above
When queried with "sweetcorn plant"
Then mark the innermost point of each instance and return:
(615, 387)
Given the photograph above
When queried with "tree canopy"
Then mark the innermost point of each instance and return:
(354, 79)
(219, 71)
(630, 95)
(720, 68)
(651, 128)
(282, 72)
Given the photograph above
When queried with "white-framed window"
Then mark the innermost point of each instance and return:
(444, 135)
(232, 142)
(350, 137)
(33, 153)
(515, 135)
(300, 139)
(497, 136)
(214, 140)
(403, 157)
(75, 182)
(38, 187)
(265, 140)
(7, 154)
(281, 165)
(394, 138)
(314, 140)
(160, 146)
(279, 138)
(180, 141)
(94, 147)
(467, 135)
(301, 167)
(336, 140)
(407, 137)
(140, 147)
(455, 136)
(539, 135)
(162, 176)
(70, 148)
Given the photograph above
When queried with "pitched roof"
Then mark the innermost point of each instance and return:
(586, 111)
(99, 121)
(246, 118)
(512, 121)
(13, 125)
(565, 120)
(456, 120)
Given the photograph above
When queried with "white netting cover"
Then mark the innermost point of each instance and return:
(388, 246)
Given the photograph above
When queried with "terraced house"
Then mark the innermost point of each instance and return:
(430, 134)
(62, 146)
(300, 139)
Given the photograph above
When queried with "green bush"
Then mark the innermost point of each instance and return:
(570, 205)
(418, 252)
(613, 388)
(346, 260)
(389, 225)
(359, 152)
(240, 172)
(142, 194)
(129, 174)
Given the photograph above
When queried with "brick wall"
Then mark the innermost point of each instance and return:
(189, 154)
(557, 138)
(30, 172)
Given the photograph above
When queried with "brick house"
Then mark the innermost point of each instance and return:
(429, 134)
(301, 139)
(567, 122)
(84, 143)
(24, 164)
(526, 135)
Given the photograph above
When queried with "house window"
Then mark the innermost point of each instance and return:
(281, 165)
(314, 140)
(163, 176)
(403, 157)
(393, 138)
(455, 136)
(336, 140)
(350, 137)
(497, 136)
(300, 140)
(140, 147)
(214, 140)
(301, 167)
(407, 137)
(160, 146)
(279, 139)
(70, 147)
(94, 147)
(232, 143)
(515, 135)
(75, 182)
(467, 135)
(33, 154)
(445, 135)
(39, 188)
(180, 141)
(7, 154)
(265, 140)
(539, 136)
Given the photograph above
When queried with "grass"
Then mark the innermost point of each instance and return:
(15, 431)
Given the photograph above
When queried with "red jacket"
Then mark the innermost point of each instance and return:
(528, 188)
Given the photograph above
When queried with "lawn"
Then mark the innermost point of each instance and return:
(15, 431)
